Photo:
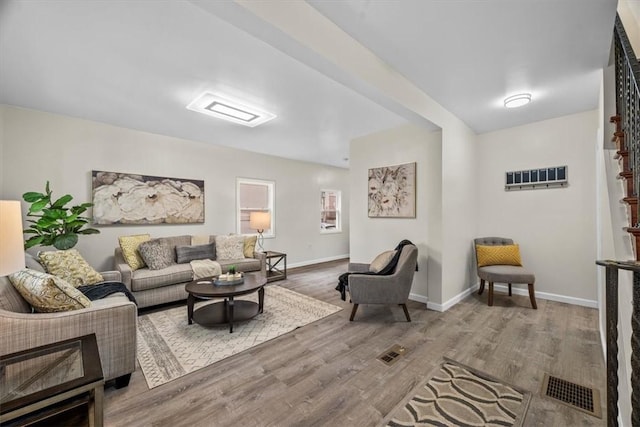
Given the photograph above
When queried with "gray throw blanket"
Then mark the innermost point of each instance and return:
(104, 289)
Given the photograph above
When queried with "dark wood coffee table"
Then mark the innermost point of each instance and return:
(229, 310)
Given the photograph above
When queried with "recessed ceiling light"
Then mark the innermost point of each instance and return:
(518, 100)
(230, 110)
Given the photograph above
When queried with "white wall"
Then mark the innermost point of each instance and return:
(370, 236)
(556, 228)
(41, 146)
(629, 11)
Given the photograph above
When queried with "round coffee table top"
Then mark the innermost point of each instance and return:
(204, 288)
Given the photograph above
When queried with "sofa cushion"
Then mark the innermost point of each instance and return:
(48, 293)
(173, 241)
(185, 254)
(129, 246)
(242, 264)
(70, 266)
(156, 253)
(229, 247)
(149, 279)
(249, 246)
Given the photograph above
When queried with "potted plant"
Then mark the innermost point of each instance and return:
(55, 224)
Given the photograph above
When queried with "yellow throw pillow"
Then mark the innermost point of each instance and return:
(47, 293)
(129, 246)
(498, 255)
(250, 246)
(69, 266)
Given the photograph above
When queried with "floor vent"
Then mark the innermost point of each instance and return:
(585, 399)
(390, 356)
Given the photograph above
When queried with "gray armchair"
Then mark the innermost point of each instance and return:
(502, 273)
(389, 289)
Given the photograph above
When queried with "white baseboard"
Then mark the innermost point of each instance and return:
(419, 298)
(549, 296)
(451, 302)
(503, 288)
(317, 261)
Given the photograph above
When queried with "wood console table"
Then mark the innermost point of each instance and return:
(274, 271)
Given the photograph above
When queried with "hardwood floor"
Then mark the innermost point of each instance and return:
(326, 373)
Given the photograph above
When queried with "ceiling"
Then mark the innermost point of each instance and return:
(137, 64)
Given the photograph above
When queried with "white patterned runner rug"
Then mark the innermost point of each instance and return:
(169, 348)
(456, 395)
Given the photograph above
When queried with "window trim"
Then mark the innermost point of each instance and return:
(338, 228)
(272, 202)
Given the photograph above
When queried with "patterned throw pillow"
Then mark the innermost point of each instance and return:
(381, 261)
(129, 246)
(69, 266)
(156, 253)
(249, 246)
(186, 254)
(47, 293)
(230, 247)
(498, 255)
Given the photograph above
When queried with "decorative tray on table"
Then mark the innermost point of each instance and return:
(222, 280)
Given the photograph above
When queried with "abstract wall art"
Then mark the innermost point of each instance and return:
(392, 191)
(124, 198)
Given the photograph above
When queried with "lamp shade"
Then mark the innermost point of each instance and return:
(260, 220)
(11, 242)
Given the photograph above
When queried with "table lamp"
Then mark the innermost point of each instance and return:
(11, 241)
(260, 221)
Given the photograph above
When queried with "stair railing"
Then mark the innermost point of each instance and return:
(627, 72)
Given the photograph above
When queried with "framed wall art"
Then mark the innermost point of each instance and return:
(392, 191)
(124, 198)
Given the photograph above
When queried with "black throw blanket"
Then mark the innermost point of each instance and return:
(104, 289)
(343, 280)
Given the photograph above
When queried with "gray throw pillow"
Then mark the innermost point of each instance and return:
(381, 261)
(189, 253)
(156, 253)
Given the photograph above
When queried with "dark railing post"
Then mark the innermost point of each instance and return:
(635, 352)
(612, 343)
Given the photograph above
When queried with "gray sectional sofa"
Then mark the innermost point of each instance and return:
(153, 287)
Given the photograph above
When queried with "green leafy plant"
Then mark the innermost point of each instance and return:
(55, 224)
(232, 269)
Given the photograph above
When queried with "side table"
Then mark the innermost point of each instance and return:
(274, 270)
(43, 382)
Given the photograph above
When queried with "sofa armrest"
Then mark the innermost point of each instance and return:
(121, 265)
(111, 276)
(263, 261)
(113, 322)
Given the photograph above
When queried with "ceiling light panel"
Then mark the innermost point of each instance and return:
(231, 110)
(518, 100)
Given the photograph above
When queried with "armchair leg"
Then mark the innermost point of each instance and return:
(481, 287)
(510, 290)
(490, 294)
(406, 312)
(532, 296)
(353, 312)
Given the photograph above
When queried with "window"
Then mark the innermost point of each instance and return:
(330, 221)
(254, 195)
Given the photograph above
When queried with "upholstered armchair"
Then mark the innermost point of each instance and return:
(112, 319)
(502, 272)
(384, 289)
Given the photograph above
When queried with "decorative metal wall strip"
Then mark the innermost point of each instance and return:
(530, 179)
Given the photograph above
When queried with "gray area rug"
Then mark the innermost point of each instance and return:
(169, 348)
(456, 395)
